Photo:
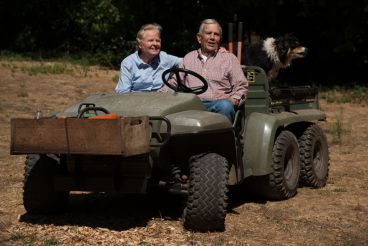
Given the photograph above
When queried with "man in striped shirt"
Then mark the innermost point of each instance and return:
(227, 85)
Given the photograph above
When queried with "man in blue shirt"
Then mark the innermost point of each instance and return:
(142, 70)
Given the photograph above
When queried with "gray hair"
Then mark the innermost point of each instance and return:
(209, 21)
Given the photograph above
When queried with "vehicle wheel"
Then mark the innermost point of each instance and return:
(39, 195)
(283, 181)
(207, 195)
(314, 159)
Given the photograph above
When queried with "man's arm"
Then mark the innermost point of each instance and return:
(174, 60)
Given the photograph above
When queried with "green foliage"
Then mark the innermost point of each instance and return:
(95, 21)
(13, 56)
(103, 31)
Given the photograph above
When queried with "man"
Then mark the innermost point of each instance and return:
(227, 85)
(142, 70)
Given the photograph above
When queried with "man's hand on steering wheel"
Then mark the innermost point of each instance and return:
(180, 84)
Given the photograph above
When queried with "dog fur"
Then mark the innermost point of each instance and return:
(273, 54)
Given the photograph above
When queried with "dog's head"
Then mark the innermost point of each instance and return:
(289, 48)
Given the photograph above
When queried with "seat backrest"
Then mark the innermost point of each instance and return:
(258, 97)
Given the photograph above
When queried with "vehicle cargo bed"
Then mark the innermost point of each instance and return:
(125, 136)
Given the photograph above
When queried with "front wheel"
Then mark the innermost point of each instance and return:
(207, 195)
(314, 157)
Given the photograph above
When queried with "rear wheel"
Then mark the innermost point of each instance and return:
(207, 195)
(314, 157)
(39, 194)
(282, 183)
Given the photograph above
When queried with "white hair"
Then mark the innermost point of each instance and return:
(209, 21)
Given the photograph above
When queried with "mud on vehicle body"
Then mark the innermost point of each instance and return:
(131, 142)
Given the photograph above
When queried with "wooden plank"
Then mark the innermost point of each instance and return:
(38, 136)
(125, 136)
(94, 136)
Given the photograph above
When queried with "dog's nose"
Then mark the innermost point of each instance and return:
(305, 51)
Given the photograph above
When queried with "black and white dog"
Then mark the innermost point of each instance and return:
(273, 54)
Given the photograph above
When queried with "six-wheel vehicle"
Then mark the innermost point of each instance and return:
(131, 142)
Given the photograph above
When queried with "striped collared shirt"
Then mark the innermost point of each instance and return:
(223, 73)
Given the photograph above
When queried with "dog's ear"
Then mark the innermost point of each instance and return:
(292, 40)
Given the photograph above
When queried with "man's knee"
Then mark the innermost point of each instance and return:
(226, 108)
(225, 105)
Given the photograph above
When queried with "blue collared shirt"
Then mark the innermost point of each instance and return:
(136, 75)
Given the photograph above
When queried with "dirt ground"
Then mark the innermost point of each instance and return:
(334, 215)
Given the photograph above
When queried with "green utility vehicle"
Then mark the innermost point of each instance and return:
(131, 142)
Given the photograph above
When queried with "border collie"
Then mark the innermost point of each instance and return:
(273, 54)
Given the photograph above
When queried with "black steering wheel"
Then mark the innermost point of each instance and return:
(180, 86)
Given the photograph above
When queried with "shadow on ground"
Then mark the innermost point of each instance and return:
(112, 211)
(121, 212)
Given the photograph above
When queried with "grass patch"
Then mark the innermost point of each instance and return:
(115, 79)
(12, 67)
(56, 68)
(82, 65)
(345, 94)
(336, 128)
(47, 69)
(63, 64)
(50, 242)
(24, 108)
(339, 189)
(25, 239)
